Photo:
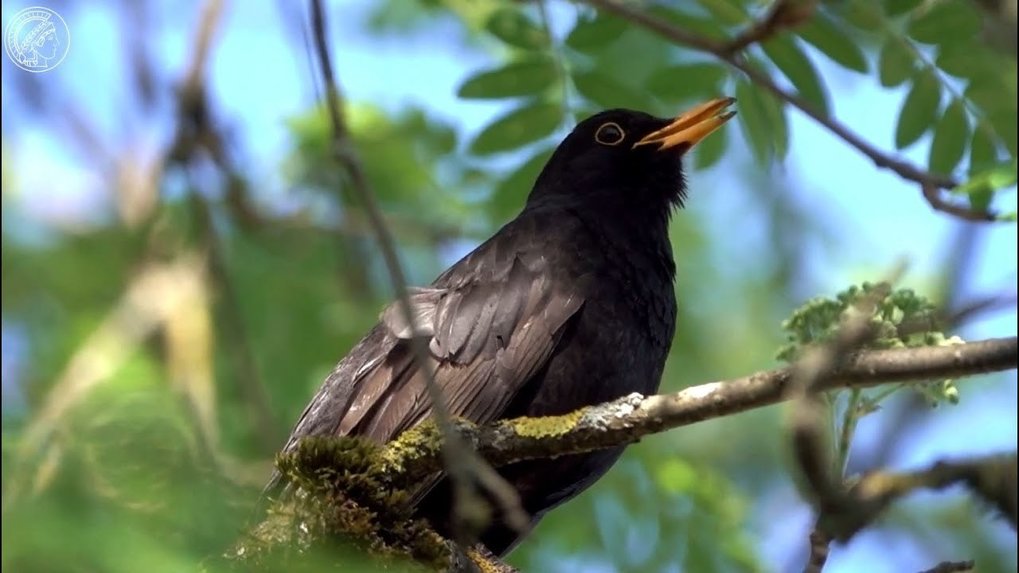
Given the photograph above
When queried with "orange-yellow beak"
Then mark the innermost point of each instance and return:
(691, 127)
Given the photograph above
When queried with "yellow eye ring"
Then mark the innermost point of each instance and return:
(610, 134)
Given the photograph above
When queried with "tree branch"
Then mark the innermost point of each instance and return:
(632, 417)
(725, 53)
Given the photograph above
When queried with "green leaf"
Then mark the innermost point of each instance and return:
(751, 120)
(896, 63)
(705, 26)
(510, 193)
(762, 121)
(919, 111)
(866, 16)
(528, 123)
(526, 77)
(997, 100)
(1004, 123)
(796, 66)
(710, 149)
(992, 95)
(728, 12)
(595, 32)
(513, 27)
(607, 92)
(833, 42)
(774, 114)
(684, 82)
(983, 149)
(950, 139)
(899, 7)
(967, 59)
(944, 21)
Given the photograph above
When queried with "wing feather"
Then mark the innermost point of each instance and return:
(492, 322)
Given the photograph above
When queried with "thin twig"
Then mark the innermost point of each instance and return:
(819, 549)
(783, 14)
(933, 192)
(952, 567)
(990, 478)
(196, 132)
(465, 468)
(723, 52)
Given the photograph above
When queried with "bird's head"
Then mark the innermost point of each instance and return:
(622, 157)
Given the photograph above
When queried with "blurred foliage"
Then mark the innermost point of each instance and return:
(130, 441)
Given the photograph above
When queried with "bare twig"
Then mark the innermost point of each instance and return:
(723, 52)
(952, 567)
(933, 193)
(990, 478)
(465, 468)
(819, 549)
(783, 14)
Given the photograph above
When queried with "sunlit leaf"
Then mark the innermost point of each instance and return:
(796, 66)
(896, 63)
(997, 177)
(683, 82)
(521, 78)
(919, 110)
(528, 123)
(980, 187)
(516, 29)
(950, 139)
(833, 42)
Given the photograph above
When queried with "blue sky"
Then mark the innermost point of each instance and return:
(426, 67)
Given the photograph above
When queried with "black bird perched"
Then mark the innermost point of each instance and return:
(570, 304)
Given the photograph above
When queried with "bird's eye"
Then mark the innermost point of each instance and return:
(610, 134)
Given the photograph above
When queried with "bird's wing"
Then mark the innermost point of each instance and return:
(491, 322)
(486, 340)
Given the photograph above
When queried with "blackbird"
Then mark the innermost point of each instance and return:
(570, 304)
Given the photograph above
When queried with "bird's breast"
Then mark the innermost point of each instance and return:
(621, 337)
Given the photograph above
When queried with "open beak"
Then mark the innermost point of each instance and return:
(691, 127)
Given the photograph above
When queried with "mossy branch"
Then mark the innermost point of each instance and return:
(356, 491)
